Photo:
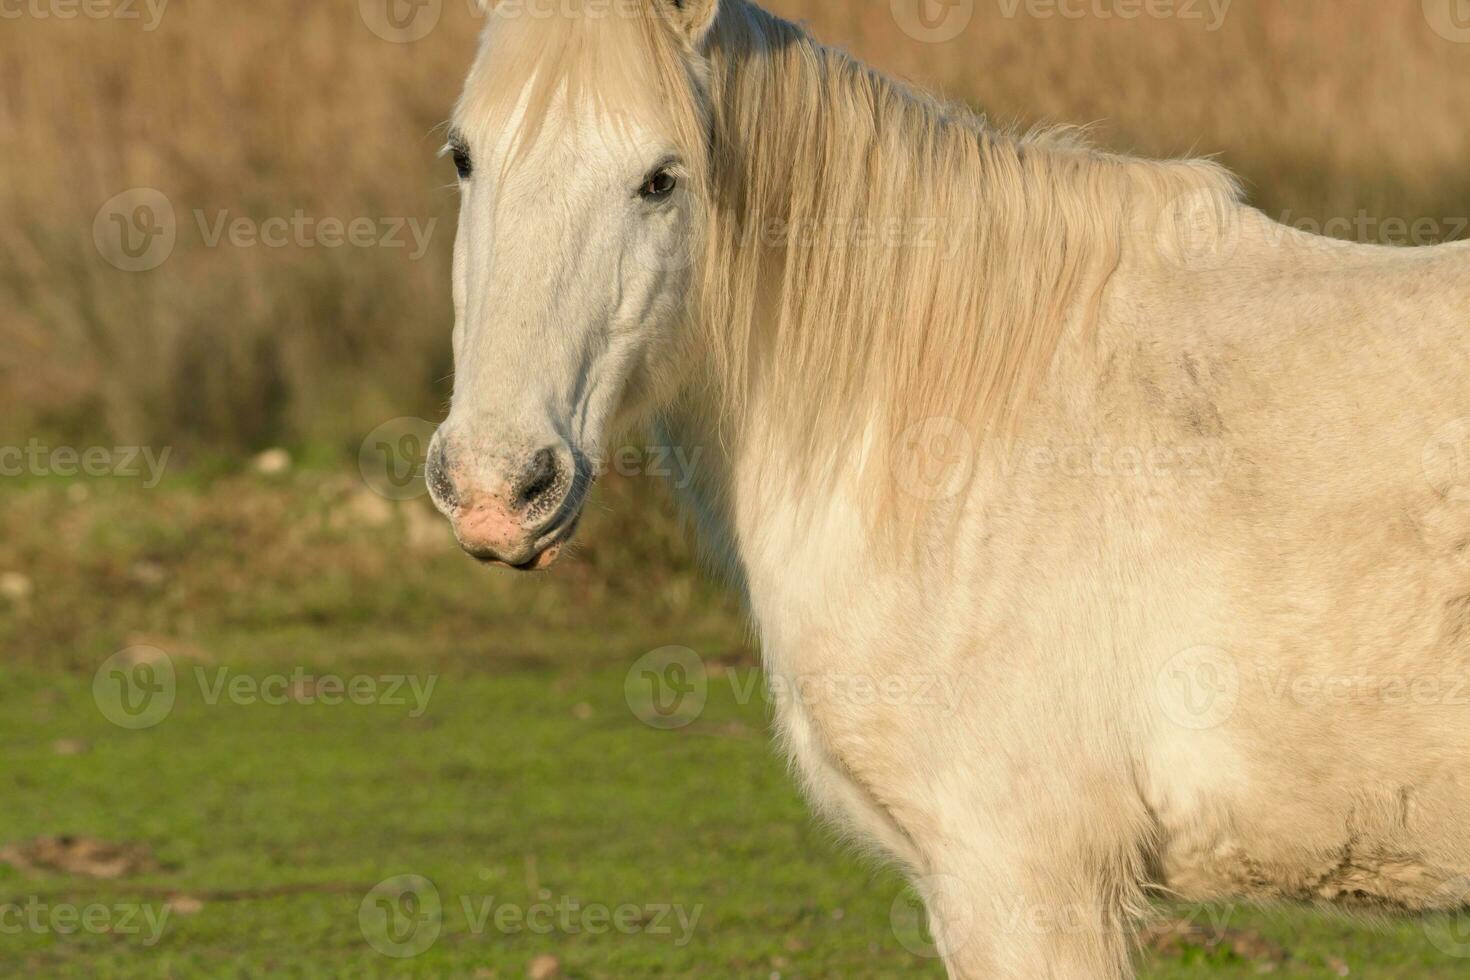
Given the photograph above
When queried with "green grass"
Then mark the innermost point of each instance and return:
(505, 790)
(526, 783)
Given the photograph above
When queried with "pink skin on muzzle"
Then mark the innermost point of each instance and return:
(501, 520)
(487, 526)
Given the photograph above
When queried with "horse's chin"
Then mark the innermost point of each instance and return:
(540, 563)
(547, 550)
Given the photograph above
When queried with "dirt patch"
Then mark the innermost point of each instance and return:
(77, 855)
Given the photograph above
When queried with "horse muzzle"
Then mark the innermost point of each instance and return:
(515, 509)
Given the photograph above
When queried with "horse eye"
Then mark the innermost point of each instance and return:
(462, 162)
(658, 186)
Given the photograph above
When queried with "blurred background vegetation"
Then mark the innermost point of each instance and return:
(262, 369)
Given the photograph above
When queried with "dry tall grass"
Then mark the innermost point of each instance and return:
(1326, 107)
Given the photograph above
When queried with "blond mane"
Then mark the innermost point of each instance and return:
(893, 256)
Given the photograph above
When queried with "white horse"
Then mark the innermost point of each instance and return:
(1116, 538)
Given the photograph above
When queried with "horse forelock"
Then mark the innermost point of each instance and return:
(621, 63)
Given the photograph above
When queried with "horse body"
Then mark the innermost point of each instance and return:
(1029, 765)
(1192, 619)
(1326, 563)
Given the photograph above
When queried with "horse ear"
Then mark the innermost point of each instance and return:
(693, 17)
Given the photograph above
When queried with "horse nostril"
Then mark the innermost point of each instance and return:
(436, 475)
(539, 482)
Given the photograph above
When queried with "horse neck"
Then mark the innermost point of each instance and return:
(906, 260)
(779, 435)
(757, 524)
(814, 358)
